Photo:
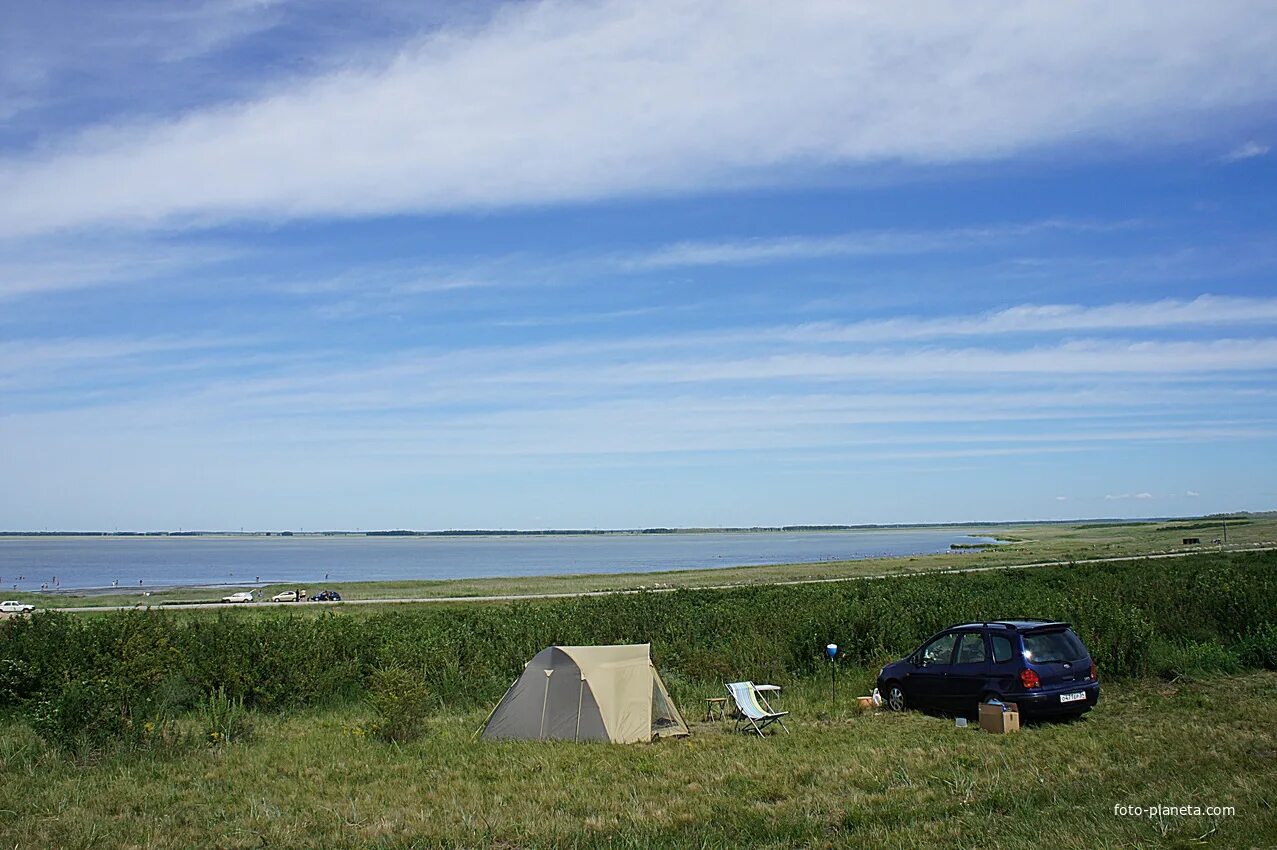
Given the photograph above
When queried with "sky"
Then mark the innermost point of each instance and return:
(284, 265)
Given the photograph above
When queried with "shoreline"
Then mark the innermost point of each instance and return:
(1022, 545)
(1102, 522)
(984, 542)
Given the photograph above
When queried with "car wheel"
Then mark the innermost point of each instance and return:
(895, 697)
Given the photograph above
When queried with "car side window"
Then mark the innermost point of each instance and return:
(971, 649)
(1002, 651)
(939, 651)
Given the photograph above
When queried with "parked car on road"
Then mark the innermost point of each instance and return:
(285, 596)
(14, 607)
(1040, 665)
(242, 596)
(326, 596)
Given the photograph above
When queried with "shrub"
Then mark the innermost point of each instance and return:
(159, 663)
(399, 701)
(1187, 659)
(1259, 648)
(225, 720)
(17, 682)
(81, 718)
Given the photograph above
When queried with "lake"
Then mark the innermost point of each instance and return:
(27, 563)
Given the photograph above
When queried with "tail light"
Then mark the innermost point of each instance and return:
(1029, 678)
(1095, 673)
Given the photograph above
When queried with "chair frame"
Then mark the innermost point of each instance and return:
(769, 717)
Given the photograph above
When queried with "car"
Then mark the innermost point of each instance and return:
(285, 596)
(242, 596)
(12, 606)
(326, 596)
(1040, 665)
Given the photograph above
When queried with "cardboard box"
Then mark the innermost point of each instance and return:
(1000, 719)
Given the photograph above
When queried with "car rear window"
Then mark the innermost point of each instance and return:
(1002, 651)
(1052, 647)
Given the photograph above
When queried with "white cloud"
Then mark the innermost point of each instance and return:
(1117, 497)
(1192, 494)
(1249, 150)
(1205, 310)
(1061, 498)
(42, 265)
(558, 101)
(866, 243)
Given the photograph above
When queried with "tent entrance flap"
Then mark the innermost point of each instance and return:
(587, 693)
(666, 721)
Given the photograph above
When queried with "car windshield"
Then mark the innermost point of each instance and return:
(1052, 647)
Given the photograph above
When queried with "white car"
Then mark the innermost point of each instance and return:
(242, 596)
(285, 596)
(13, 607)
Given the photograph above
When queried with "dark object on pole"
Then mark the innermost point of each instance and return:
(831, 652)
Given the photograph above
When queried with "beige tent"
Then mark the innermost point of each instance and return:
(587, 693)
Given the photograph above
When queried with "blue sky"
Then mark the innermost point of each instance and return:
(285, 265)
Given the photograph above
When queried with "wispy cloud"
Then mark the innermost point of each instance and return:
(869, 243)
(658, 98)
(1117, 497)
(42, 265)
(1203, 311)
(1249, 150)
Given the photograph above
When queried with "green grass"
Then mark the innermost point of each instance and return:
(1027, 543)
(876, 780)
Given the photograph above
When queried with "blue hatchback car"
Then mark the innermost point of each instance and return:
(1040, 665)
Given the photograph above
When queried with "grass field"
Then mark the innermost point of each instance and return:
(872, 780)
(312, 774)
(1027, 543)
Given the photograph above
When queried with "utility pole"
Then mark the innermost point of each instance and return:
(1224, 520)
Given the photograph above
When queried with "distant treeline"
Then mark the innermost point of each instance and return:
(1197, 526)
(476, 532)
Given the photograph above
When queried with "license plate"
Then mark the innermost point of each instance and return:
(1072, 697)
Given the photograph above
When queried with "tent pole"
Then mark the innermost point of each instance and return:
(580, 695)
(544, 701)
(479, 731)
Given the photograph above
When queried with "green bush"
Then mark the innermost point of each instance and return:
(399, 701)
(1259, 648)
(17, 682)
(81, 717)
(225, 720)
(157, 661)
(1186, 660)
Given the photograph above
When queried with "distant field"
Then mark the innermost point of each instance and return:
(1026, 543)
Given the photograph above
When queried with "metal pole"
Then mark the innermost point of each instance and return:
(545, 700)
(1225, 521)
(833, 687)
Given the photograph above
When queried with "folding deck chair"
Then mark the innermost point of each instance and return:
(752, 708)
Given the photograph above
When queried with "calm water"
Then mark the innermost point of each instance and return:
(94, 562)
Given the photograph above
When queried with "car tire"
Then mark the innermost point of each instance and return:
(895, 697)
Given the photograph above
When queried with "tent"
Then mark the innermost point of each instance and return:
(587, 693)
